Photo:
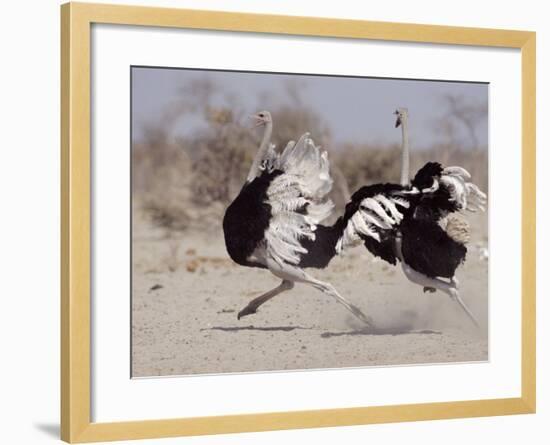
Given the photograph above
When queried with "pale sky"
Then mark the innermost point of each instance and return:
(357, 110)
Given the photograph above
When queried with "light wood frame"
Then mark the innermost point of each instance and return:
(76, 21)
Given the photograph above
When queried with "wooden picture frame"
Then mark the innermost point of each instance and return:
(76, 21)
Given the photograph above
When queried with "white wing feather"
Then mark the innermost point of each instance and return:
(298, 199)
(375, 215)
(466, 194)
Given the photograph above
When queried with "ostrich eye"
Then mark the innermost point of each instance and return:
(261, 115)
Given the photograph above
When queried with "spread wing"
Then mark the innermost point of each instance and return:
(298, 199)
(374, 212)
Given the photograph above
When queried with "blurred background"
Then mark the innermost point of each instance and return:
(193, 141)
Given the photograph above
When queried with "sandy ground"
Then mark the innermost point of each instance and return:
(187, 292)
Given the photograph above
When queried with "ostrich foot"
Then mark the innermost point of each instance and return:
(429, 289)
(253, 306)
(361, 316)
(246, 311)
(453, 293)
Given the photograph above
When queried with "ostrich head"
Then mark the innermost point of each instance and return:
(402, 116)
(261, 118)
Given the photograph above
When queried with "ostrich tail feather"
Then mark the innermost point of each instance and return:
(457, 228)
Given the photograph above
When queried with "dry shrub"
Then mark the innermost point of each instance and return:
(221, 158)
(188, 183)
(363, 165)
(290, 122)
(161, 178)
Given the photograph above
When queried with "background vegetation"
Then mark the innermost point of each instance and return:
(182, 183)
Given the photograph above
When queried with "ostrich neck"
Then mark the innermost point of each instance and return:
(405, 153)
(262, 151)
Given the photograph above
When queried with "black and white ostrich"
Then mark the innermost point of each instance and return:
(274, 222)
(415, 224)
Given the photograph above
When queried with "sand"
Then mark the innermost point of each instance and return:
(187, 293)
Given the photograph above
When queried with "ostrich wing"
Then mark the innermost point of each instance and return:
(447, 190)
(298, 200)
(373, 214)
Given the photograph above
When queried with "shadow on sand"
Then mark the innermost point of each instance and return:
(380, 331)
(393, 330)
(254, 328)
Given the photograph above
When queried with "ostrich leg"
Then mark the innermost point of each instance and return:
(329, 289)
(253, 306)
(453, 292)
(449, 288)
(430, 284)
(456, 296)
(297, 275)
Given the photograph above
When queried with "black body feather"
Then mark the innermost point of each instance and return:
(436, 204)
(247, 218)
(428, 249)
(323, 248)
(425, 176)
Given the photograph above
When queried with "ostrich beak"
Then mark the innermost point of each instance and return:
(398, 120)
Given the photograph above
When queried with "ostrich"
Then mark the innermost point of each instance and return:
(413, 224)
(402, 121)
(274, 222)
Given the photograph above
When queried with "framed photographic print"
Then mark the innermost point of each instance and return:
(275, 222)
